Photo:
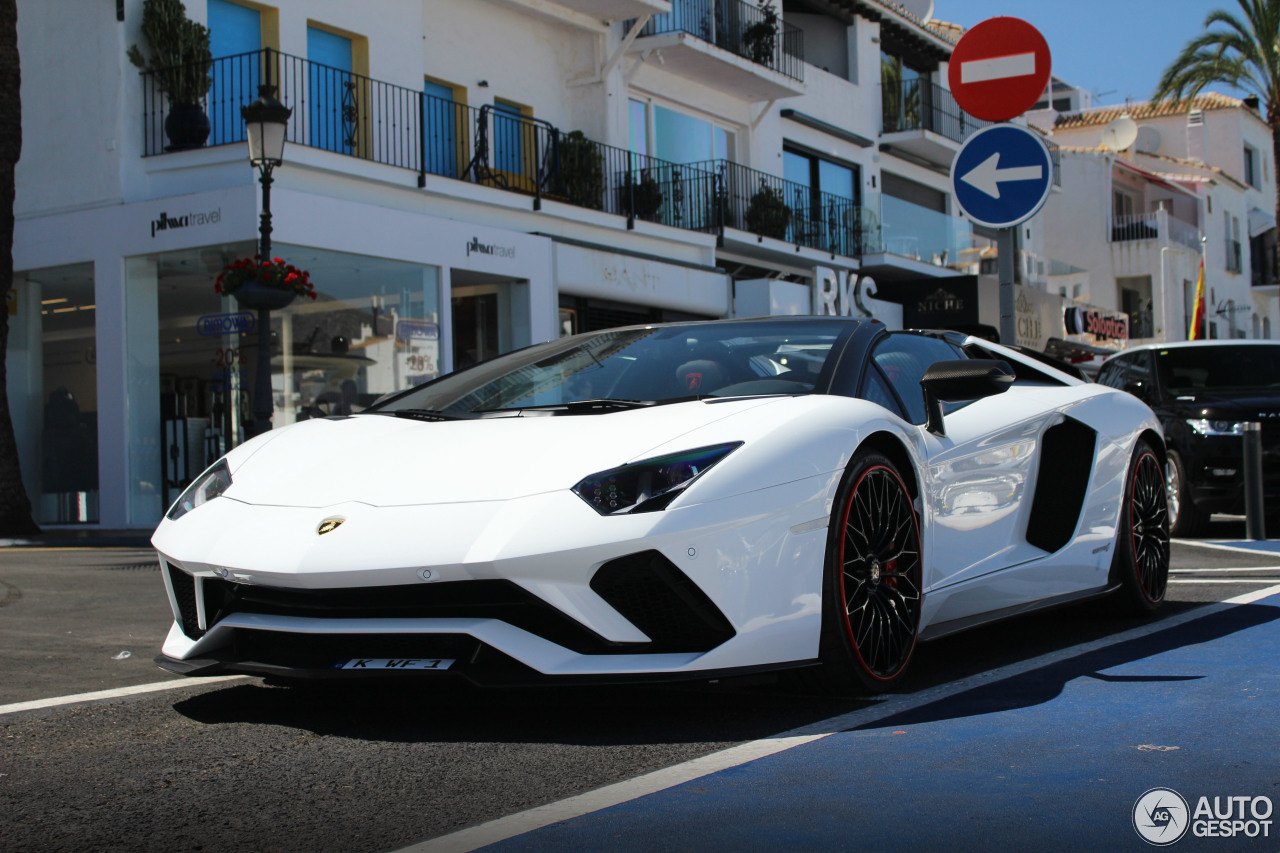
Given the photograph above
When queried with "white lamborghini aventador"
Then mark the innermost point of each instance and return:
(676, 501)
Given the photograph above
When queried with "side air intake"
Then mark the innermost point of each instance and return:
(1066, 463)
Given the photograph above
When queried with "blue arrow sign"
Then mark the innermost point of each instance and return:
(1002, 175)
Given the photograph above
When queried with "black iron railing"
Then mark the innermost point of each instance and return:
(333, 109)
(359, 117)
(922, 105)
(770, 206)
(740, 28)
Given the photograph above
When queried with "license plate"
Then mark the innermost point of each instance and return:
(397, 663)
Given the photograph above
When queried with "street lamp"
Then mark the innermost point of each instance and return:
(265, 121)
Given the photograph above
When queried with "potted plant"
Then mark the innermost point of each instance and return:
(645, 193)
(767, 213)
(582, 170)
(761, 38)
(179, 63)
(263, 285)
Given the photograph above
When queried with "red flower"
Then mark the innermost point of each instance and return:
(274, 273)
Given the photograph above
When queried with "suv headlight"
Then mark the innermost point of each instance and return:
(650, 485)
(213, 482)
(1204, 426)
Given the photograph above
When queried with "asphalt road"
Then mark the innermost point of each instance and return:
(242, 766)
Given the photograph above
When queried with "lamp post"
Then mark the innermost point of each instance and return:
(265, 121)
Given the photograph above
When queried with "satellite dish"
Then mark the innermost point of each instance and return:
(922, 9)
(1148, 140)
(1120, 133)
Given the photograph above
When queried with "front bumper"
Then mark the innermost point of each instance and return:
(525, 590)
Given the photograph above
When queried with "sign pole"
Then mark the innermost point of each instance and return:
(1002, 174)
(1006, 242)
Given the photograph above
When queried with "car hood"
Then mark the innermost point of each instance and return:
(384, 460)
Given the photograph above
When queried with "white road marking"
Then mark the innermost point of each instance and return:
(1221, 580)
(1237, 569)
(1218, 546)
(512, 825)
(997, 68)
(115, 693)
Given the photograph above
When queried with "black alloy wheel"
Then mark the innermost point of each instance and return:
(1142, 541)
(874, 578)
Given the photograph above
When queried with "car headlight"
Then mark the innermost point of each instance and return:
(209, 485)
(1204, 426)
(650, 485)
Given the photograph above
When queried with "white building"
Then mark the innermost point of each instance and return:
(1129, 224)
(434, 190)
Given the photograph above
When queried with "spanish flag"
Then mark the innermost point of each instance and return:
(1196, 332)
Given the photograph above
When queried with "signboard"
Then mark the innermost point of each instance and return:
(420, 330)
(1080, 321)
(216, 325)
(1002, 175)
(999, 69)
(417, 351)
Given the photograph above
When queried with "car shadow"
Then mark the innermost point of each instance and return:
(453, 711)
(733, 710)
(1046, 683)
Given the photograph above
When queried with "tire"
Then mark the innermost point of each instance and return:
(1185, 518)
(873, 579)
(1141, 561)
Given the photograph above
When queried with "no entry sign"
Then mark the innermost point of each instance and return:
(999, 69)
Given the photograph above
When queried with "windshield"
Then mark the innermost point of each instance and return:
(639, 365)
(1187, 371)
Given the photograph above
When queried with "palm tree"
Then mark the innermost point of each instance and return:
(1243, 54)
(15, 508)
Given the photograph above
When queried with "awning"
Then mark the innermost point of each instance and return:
(1260, 222)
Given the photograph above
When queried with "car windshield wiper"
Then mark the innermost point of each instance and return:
(428, 414)
(583, 406)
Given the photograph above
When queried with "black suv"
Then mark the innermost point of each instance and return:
(1204, 392)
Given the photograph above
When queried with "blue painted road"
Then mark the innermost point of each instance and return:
(1050, 758)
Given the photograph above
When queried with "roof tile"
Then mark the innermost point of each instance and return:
(1145, 109)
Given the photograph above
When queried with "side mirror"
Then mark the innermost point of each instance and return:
(956, 381)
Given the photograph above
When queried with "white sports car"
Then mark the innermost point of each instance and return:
(690, 500)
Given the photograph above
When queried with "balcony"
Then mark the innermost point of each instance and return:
(924, 121)
(768, 206)
(913, 233)
(615, 10)
(380, 122)
(728, 44)
(1158, 225)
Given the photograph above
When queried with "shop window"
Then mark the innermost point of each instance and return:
(53, 391)
(373, 329)
(490, 317)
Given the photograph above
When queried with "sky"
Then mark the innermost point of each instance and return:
(1116, 49)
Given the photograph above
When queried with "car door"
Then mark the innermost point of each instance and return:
(978, 476)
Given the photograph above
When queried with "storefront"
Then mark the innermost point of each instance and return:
(128, 373)
(600, 289)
